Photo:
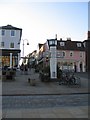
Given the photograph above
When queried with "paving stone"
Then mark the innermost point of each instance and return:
(65, 115)
(48, 115)
(13, 114)
(23, 87)
(9, 102)
(29, 104)
(29, 115)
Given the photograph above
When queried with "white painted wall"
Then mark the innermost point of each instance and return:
(53, 63)
(7, 39)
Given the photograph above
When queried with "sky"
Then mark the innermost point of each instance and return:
(42, 20)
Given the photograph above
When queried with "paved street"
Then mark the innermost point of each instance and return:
(45, 106)
(45, 100)
(21, 86)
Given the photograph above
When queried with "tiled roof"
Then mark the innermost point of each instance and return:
(10, 27)
(69, 45)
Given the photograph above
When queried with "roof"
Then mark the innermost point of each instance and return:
(69, 45)
(40, 45)
(10, 27)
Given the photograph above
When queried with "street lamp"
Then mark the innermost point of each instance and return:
(23, 45)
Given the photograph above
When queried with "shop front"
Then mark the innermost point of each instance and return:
(10, 58)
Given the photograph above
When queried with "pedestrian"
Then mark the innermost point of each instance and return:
(22, 68)
(26, 70)
(60, 76)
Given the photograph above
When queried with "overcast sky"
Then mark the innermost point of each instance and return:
(42, 20)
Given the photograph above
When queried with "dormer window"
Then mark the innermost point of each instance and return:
(62, 43)
(84, 44)
(52, 42)
(78, 44)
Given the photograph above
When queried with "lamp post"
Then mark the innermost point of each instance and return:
(53, 60)
(24, 44)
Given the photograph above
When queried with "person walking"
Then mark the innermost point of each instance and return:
(60, 76)
(26, 70)
(22, 68)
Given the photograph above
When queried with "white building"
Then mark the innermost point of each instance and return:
(9, 47)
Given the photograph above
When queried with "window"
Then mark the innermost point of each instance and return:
(61, 43)
(12, 33)
(78, 44)
(84, 44)
(63, 53)
(81, 54)
(53, 42)
(50, 42)
(71, 53)
(2, 44)
(3, 32)
(60, 54)
(11, 45)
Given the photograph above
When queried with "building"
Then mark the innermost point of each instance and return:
(87, 44)
(43, 53)
(9, 47)
(69, 54)
(31, 59)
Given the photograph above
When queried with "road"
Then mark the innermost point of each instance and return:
(44, 101)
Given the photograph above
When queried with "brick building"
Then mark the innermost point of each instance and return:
(69, 54)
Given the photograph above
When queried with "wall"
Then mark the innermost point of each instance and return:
(7, 39)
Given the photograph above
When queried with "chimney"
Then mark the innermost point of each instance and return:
(60, 39)
(88, 34)
(68, 39)
(56, 36)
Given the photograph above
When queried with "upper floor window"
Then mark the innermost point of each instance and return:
(78, 44)
(71, 53)
(63, 53)
(81, 54)
(2, 44)
(62, 43)
(84, 44)
(3, 32)
(11, 45)
(53, 42)
(12, 32)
